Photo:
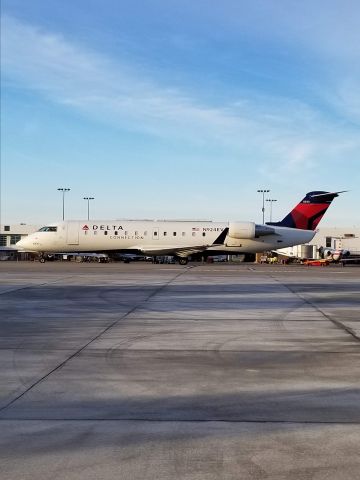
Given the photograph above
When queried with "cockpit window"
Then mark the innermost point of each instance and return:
(48, 229)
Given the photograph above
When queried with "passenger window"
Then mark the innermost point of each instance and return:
(183, 234)
(174, 234)
(145, 233)
(155, 234)
(95, 232)
(105, 233)
(136, 233)
(204, 234)
(165, 233)
(193, 234)
(115, 233)
(126, 233)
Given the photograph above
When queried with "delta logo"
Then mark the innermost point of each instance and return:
(103, 227)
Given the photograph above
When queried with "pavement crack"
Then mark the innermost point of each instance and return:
(179, 420)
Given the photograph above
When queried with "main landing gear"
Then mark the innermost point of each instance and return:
(42, 257)
(182, 260)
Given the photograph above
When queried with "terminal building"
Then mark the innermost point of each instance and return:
(336, 238)
(10, 234)
(347, 238)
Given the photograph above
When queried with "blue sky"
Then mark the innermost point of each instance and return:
(178, 109)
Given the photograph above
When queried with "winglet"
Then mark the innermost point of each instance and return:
(221, 238)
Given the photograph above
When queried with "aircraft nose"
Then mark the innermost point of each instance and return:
(22, 244)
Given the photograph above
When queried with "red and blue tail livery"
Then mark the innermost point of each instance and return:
(308, 213)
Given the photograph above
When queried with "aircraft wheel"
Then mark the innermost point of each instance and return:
(183, 261)
(42, 260)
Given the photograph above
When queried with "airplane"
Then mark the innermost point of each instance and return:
(334, 254)
(340, 255)
(180, 238)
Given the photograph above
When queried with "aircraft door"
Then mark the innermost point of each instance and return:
(155, 233)
(72, 234)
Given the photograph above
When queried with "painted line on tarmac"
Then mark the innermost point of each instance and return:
(63, 363)
(312, 304)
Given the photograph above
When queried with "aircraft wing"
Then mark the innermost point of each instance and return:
(180, 250)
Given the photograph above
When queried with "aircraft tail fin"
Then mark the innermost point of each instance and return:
(308, 213)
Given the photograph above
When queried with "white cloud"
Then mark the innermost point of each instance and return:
(289, 135)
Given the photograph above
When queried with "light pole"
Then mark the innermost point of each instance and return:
(263, 203)
(271, 200)
(63, 190)
(88, 205)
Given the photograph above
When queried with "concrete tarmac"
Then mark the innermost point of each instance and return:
(140, 371)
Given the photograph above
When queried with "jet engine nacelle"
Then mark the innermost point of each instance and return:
(240, 230)
(333, 254)
(338, 254)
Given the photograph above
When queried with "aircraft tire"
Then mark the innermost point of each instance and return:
(42, 260)
(183, 261)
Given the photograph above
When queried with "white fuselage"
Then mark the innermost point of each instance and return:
(154, 237)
